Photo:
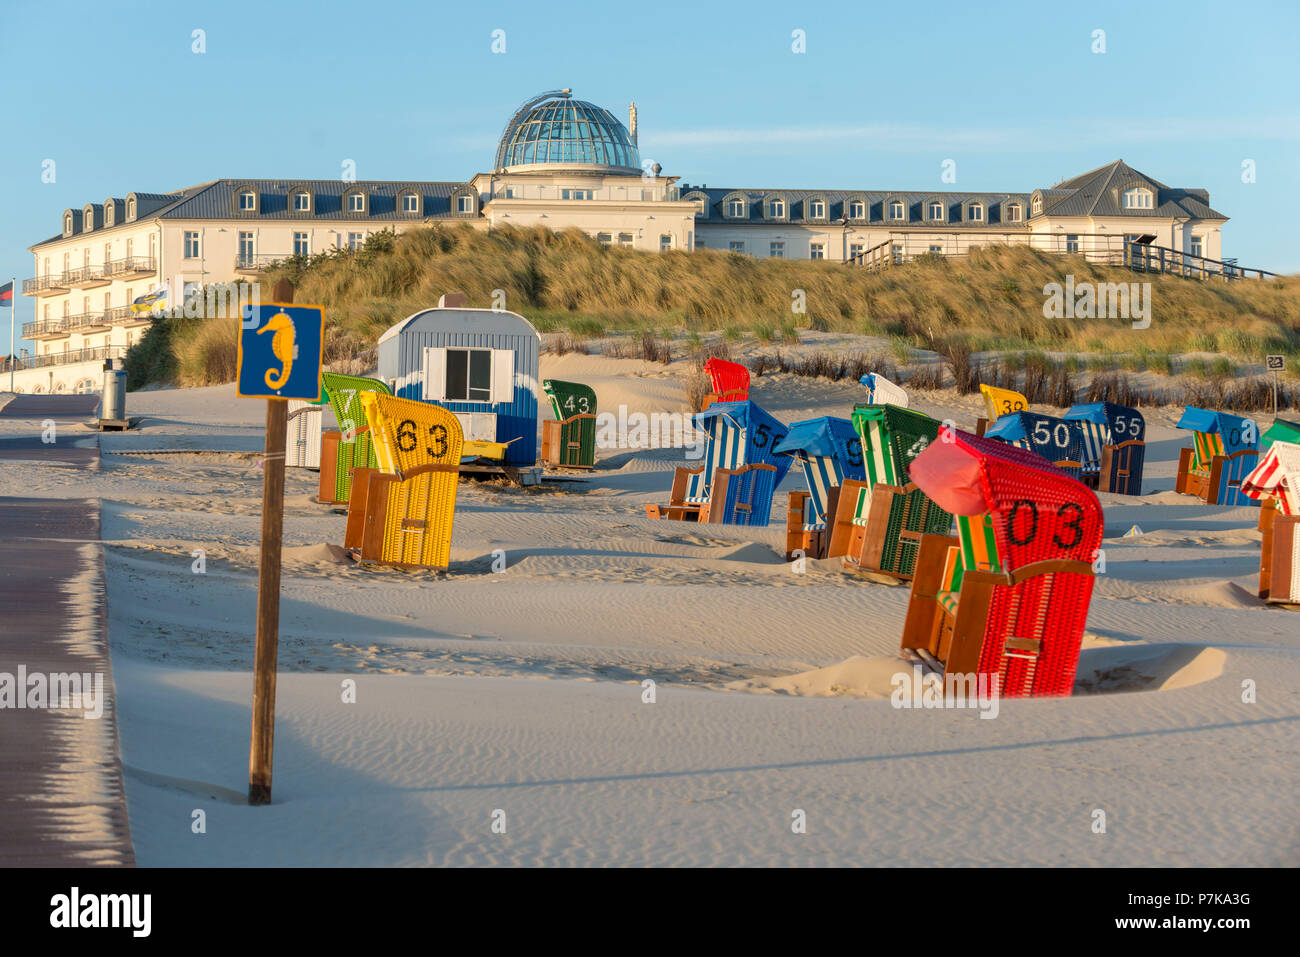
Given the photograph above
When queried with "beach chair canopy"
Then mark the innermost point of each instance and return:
(1037, 511)
(1000, 402)
(570, 398)
(1123, 423)
(1053, 438)
(730, 379)
(1278, 477)
(1280, 431)
(343, 391)
(1234, 432)
(749, 435)
(891, 438)
(830, 451)
(881, 391)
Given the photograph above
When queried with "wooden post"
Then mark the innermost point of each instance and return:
(268, 592)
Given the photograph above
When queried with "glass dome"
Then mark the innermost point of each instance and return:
(556, 130)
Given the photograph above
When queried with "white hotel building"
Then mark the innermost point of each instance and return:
(561, 163)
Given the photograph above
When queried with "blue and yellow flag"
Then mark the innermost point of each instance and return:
(150, 301)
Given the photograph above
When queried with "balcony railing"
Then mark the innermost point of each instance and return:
(42, 285)
(64, 358)
(131, 266)
(616, 194)
(45, 327)
(83, 322)
(85, 276)
(251, 262)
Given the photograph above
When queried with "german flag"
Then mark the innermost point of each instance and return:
(7, 295)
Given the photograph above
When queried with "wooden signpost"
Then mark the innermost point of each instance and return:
(1275, 364)
(284, 365)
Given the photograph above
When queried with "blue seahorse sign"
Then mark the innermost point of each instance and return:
(280, 351)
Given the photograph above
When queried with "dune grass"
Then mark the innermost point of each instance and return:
(567, 282)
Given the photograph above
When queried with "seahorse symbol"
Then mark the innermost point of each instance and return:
(282, 345)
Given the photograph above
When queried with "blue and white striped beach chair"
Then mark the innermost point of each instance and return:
(829, 451)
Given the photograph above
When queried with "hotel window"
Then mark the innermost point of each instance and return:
(1037, 205)
(736, 209)
(1013, 213)
(817, 251)
(247, 249)
(604, 239)
(510, 192)
(108, 253)
(85, 257)
(47, 312)
(896, 209)
(1198, 246)
(975, 213)
(857, 210)
(247, 201)
(85, 305)
(465, 203)
(897, 249)
(776, 209)
(67, 262)
(625, 239)
(469, 375)
(108, 214)
(817, 209)
(736, 247)
(1137, 199)
(410, 203)
(564, 194)
(700, 204)
(301, 244)
(356, 202)
(776, 250)
(665, 242)
(67, 224)
(936, 248)
(936, 213)
(191, 245)
(130, 209)
(301, 202)
(355, 241)
(1071, 243)
(855, 250)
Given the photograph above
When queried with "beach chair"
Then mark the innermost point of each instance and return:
(1280, 431)
(1114, 446)
(1059, 441)
(570, 441)
(302, 435)
(829, 451)
(997, 403)
(1275, 483)
(879, 521)
(1224, 450)
(1009, 594)
(737, 480)
(730, 382)
(351, 446)
(401, 511)
(880, 391)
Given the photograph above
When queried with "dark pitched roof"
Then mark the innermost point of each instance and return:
(1099, 192)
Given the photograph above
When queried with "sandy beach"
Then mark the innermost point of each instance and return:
(517, 696)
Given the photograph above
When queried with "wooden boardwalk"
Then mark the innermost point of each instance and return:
(62, 802)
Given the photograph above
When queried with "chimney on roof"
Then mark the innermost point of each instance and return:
(631, 121)
(452, 300)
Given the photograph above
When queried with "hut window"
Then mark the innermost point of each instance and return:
(469, 375)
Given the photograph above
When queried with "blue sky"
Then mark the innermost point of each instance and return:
(1012, 92)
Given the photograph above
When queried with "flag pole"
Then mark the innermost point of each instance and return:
(13, 321)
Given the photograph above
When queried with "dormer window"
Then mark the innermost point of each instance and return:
(936, 212)
(465, 202)
(354, 201)
(247, 201)
(409, 203)
(1037, 205)
(736, 208)
(975, 213)
(88, 219)
(776, 209)
(1012, 213)
(817, 208)
(701, 202)
(1137, 198)
(857, 209)
(108, 214)
(301, 201)
(67, 224)
(896, 209)
(130, 210)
